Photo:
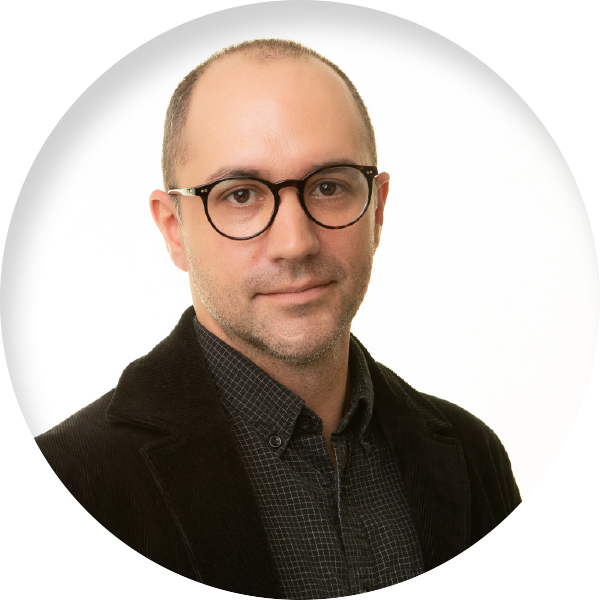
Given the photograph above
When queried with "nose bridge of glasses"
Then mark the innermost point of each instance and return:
(286, 183)
(298, 184)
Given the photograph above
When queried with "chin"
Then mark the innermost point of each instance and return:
(302, 350)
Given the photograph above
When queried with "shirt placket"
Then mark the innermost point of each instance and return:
(357, 549)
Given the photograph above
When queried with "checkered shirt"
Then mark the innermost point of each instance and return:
(333, 532)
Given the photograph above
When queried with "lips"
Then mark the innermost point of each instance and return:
(296, 289)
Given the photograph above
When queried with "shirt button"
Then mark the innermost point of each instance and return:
(303, 424)
(274, 441)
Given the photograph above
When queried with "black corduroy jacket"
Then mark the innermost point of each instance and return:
(155, 461)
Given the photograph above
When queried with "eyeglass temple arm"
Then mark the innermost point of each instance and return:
(183, 191)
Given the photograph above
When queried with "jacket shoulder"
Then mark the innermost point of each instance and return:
(99, 461)
(91, 455)
(87, 443)
(438, 413)
(489, 468)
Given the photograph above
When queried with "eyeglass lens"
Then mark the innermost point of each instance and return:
(242, 207)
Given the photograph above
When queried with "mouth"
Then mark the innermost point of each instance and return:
(298, 294)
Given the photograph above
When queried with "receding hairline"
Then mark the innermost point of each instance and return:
(261, 52)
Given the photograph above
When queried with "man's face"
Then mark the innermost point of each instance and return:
(293, 291)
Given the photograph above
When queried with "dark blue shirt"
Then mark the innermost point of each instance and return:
(333, 532)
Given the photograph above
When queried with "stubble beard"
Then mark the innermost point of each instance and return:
(248, 330)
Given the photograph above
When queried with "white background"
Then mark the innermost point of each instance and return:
(545, 51)
(485, 286)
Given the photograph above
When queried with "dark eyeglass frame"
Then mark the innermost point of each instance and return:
(203, 191)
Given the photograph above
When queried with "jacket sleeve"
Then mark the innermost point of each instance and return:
(507, 482)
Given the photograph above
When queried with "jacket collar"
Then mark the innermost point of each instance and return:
(171, 389)
(167, 388)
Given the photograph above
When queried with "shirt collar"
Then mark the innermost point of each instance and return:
(269, 407)
(362, 397)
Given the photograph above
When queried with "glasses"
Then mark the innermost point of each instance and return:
(241, 208)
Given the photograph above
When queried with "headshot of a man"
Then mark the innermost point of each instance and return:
(259, 448)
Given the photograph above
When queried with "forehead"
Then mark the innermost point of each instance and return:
(285, 113)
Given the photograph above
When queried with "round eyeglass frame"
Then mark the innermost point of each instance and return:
(203, 191)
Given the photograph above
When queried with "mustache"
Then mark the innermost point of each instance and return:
(322, 269)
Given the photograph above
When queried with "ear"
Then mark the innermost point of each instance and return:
(383, 187)
(164, 214)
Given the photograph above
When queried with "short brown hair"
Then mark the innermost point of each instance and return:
(261, 50)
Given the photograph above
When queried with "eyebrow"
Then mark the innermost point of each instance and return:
(258, 174)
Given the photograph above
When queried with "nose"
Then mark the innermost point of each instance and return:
(292, 235)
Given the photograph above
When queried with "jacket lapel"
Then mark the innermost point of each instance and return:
(431, 463)
(196, 464)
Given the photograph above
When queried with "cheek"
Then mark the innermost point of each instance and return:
(355, 244)
(222, 262)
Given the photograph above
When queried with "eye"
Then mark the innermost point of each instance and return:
(243, 196)
(327, 188)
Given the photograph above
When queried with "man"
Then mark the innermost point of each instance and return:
(259, 448)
